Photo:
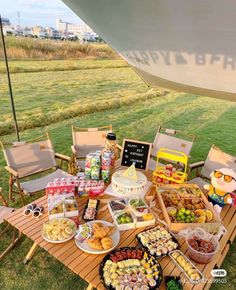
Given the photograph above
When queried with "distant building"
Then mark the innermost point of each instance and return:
(39, 32)
(80, 30)
(61, 25)
(6, 22)
(52, 32)
(8, 30)
(27, 31)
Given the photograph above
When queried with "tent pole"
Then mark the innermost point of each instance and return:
(9, 81)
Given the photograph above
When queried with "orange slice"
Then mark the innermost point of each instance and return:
(201, 219)
(148, 217)
(200, 212)
(209, 215)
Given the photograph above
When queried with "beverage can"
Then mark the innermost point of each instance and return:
(95, 161)
(88, 160)
(106, 175)
(106, 163)
(95, 173)
(87, 172)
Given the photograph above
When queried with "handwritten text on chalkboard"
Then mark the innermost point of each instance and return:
(136, 151)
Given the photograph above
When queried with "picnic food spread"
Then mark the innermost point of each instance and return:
(130, 268)
(137, 267)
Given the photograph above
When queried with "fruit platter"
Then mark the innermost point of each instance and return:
(131, 213)
(186, 267)
(185, 205)
(97, 237)
(59, 230)
(130, 268)
(157, 241)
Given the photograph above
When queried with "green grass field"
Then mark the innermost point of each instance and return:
(47, 93)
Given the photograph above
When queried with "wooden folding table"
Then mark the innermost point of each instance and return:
(87, 265)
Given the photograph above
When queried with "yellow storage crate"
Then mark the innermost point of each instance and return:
(175, 157)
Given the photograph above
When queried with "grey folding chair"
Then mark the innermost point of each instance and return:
(216, 159)
(87, 140)
(170, 139)
(25, 159)
(4, 211)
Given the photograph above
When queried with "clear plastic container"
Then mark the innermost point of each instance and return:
(198, 256)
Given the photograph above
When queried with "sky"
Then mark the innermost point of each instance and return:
(37, 12)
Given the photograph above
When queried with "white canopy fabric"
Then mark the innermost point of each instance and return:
(187, 45)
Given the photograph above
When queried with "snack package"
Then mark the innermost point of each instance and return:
(61, 185)
(90, 187)
(62, 205)
(84, 232)
(91, 209)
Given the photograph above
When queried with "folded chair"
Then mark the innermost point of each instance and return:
(5, 210)
(170, 139)
(216, 159)
(24, 159)
(87, 140)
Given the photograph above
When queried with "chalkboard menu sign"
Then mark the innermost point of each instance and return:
(136, 151)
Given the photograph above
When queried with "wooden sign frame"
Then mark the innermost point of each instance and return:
(138, 142)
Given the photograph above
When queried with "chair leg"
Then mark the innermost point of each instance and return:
(4, 230)
(15, 239)
(31, 252)
(21, 192)
(11, 181)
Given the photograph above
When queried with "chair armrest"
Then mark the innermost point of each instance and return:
(12, 171)
(62, 157)
(196, 165)
(73, 149)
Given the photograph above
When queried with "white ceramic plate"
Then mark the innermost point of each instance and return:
(61, 241)
(115, 238)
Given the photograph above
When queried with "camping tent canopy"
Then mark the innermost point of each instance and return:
(186, 45)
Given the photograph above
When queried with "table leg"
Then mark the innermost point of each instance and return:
(30, 253)
(90, 287)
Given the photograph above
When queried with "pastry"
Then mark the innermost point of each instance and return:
(106, 243)
(95, 243)
(100, 232)
(97, 225)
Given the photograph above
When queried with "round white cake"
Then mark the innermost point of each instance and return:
(125, 186)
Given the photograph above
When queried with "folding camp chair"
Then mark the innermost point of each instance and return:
(170, 139)
(5, 210)
(216, 159)
(87, 140)
(25, 159)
